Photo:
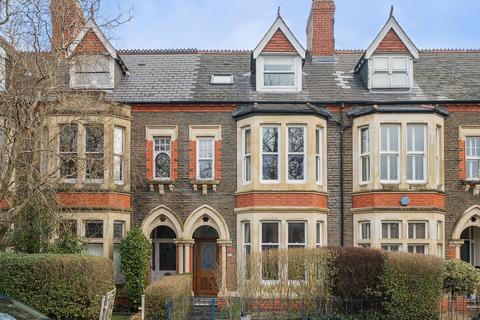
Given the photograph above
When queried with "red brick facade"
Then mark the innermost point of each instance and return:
(174, 163)
(462, 161)
(94, 200)
(372, 200)
(218, 160)
(90, 44)
(149, 159)
(320, 28)
(274, 199)
(279, 43)
(392, 43)
(192, 160)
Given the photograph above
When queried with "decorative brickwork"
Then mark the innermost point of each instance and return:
(90, 44)
(174, 162)
(192, 156)
(462, 162)
(149, 159)
(279, 43)
(320, 28)
(392, 43)
(275, 199)
(218, 160)
(381, 200)
(94, 200)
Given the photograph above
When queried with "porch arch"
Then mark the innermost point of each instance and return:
(198, 218)
(154, 219)
(465, 221)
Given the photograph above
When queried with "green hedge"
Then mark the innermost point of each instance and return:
(168, 288)
(60, 286)
(412, 286)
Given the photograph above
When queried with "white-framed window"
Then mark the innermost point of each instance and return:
(270, 243)
(296, 153)
(417, 248)
(247, 155)
(68, 150)
(473, 158)
(318, 155)
(365, 230)
(296, 239)
(94, 229)
(205, 158)
(247, 247)
(94, 153)
(364, 155)
(391, 229)
(118, 229)
(162, 155)
(417, 230)
(392, 247)
(279, 72)
(390, 72)
(92, 71)
(390, 153)
(416, 159)
(219, 78)
(119, 155)
(270, 148)
(319, 234)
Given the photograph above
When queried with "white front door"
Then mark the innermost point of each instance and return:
(164, 258)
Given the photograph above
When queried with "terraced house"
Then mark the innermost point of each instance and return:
(218, 154)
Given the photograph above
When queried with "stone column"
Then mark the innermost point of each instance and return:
(223, 243)
(454, 249)
(188, 249)
(180, 247)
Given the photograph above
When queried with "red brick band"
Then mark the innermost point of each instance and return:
(390, 199)
(94, 200)
(274, 199)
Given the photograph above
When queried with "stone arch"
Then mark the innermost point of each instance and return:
(216, 220)
(171, 219)
(465, 221)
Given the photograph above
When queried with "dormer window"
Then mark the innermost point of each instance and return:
(279, 73)
(390, 72)
(92, 72)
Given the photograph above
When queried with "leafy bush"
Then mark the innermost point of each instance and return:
(135, 251)
(358, 272)
(460, 277)
(168, 288)
(412, 286)
(60, 286)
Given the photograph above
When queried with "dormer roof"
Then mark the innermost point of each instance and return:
(279, 37)
(392, 35)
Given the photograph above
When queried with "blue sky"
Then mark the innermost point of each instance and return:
(240, 24)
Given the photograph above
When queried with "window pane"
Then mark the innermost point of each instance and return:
(68, 138)
(394, 230)
(247, 141)
(93, 138)
(296, 139)
(248, 175)
(419, 168)
(296, 232)
(365, 145)
(381, 80)
(162, 165)
(118, 229)
(270, 265)
(385, 230)
(295, 167)
(278, 67)
(279, 79)
(365, 168)
(365, 230)
(270, 139)
(118, 140)
(205, 169)
(205, 148)
(246, 235)
(381, 63)
(384, 167)
(269, 232)
(393, 167)
(94, 229)
(473, 169)
(399, 64)
(317, 141)
(473, 147)
(319, 233)
(270, 167)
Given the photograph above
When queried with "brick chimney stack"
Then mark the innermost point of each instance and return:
(320, 28)
(67, 21)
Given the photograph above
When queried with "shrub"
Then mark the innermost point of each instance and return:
(168, 288)
(358, 272)
(60, 286)
(135, 251)
(412, 285)
(460, 277)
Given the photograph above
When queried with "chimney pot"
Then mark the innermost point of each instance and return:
(320, 29)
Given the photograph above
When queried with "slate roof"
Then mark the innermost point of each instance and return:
(184, 76)
(280, 108)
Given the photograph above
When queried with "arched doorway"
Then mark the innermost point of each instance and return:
(470, 249)
(206, 261)
(465, 242)
(164, 252)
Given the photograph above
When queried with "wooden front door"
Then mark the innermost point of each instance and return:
(206, 253)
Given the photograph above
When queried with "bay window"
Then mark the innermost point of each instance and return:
(162, 157)
(270, 144)
(318, 155)
(119, 155)
(94, 162)
(416, 160)
(473, 158)
(364, 155)
(270, 243)
(296, 154)
(205, 158)
(247, 155)
(389, 153)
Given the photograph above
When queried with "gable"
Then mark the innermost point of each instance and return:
(90, 44)
(279, 43)
(392, 43)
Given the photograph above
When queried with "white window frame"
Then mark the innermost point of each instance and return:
(199, 139)
(389, 231)
(471, 158)
(74, 80)
(304, 153)
(319, 155)
(391, 71)
(364, 155)
(296, 62)
(262, 153)
(156, 153)
(414, 235)
(246, 157)
(221, 78)
(119, 155)
(417, 153)
(389, 153)
(415, 247)
(277, 244)
(365, 223)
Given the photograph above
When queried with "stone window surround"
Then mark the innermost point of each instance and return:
(463, 133)
(374, 121)
(377, 217)
(162, 131)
